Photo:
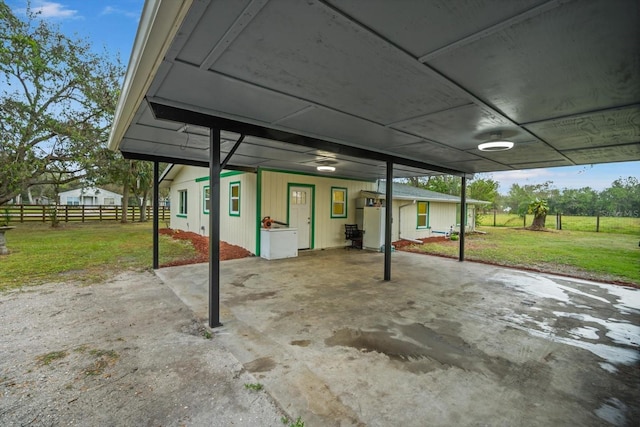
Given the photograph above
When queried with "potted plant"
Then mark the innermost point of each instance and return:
(5, 219)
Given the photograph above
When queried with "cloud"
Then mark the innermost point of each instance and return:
(110, 10)
(523, 175)
(50, 10)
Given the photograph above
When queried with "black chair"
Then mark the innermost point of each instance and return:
(352, 233)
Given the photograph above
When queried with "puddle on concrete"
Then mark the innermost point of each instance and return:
(416, 345)
(418, 349)
(543, 287)
(262, 364)
(611, 337)
(619, 331)
(610, 353)
(612, 411)
(301, 343)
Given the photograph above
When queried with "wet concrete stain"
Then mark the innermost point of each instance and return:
(250, 297)
(240, 281)
(262, 364)
(406, 343)
(301, 343)
(418, 348)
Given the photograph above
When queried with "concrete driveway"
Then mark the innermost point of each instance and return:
(444, 343)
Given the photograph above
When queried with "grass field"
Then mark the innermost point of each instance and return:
(81, 252)
(616, 225)
(94, 251)
(597, 256)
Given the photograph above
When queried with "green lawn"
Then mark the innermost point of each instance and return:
(616, 225)
(82, 252)
(597, 256)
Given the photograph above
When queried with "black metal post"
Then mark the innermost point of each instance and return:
(156, 208)
(388, 211)
(214, 229)
(463, 215)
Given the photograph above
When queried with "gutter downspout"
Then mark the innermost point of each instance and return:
(400, 223)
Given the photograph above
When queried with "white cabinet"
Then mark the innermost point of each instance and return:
(373, 226)
(277, 243)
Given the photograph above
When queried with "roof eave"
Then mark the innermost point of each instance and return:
(159, 23)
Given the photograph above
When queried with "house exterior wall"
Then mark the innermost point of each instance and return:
(185, 180)
(442, 216)
(237, 230)
(88, 196)
(327, 232)
(405, 221)
(266, 193)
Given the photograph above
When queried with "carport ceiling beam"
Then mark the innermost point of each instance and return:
(233, 150)
(181, 115)
(132, 155)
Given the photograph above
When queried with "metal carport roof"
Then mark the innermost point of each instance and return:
(367, 84)
(424, 81)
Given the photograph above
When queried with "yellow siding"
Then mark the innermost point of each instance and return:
(407, 218)
(236, 230)
(442, 216)
(185, 180)
(328, 232)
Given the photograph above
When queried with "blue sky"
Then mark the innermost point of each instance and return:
(109, 24)
(112, 24)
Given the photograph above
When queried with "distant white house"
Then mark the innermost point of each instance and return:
(317, 206)
(90, 196)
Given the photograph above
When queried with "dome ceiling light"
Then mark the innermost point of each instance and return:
(496, 144)
(325, 166)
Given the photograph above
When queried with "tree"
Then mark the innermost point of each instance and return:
(621, 199)
(484, 189)
(56, 103)
(519, 197)
(539, 209)
(135, 178)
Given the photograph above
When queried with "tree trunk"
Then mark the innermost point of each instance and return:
(538, 222)
(143, 207)
(125, 201)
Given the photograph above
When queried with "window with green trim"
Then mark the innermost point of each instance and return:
(338, 202)
(182, 207)
(423, 214)
(206, 199)
(234, 198)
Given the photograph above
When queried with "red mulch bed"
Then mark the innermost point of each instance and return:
(400, 244)
(201, 245)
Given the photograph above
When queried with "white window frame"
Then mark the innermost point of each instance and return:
(425, 215)
(232, 185)
(206, 199)
(182, 206)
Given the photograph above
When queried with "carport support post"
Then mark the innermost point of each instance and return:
(156, 204)
(463, 215)
(214, 228)
(388, 210)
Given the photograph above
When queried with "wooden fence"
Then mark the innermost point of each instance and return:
(600, 223)
(81, 213)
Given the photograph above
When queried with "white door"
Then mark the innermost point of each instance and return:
(300, 214)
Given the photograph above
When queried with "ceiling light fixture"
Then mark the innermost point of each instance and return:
(326, 168)
(497, 144)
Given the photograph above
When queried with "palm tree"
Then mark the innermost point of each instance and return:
(539, 209)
